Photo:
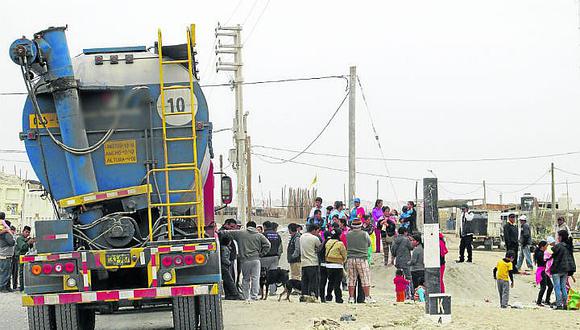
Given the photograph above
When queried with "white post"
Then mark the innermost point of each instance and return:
(352, 137)
(240, 132)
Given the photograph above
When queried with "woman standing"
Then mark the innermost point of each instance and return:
(563, 265)
(335, 257)
(442, 252)
(389, 224)
(541, 277)
(377, 215)
(417, 264)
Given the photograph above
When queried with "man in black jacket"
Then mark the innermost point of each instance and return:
(272, 259)
(293, 252)
(510, 237)
(525, 244)
(466, 234)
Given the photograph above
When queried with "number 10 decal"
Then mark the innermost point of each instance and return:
(177, 101)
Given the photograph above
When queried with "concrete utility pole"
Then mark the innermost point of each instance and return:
(377, 189)
(249, 179)
(553, 197)
(351, 137)
(238, 155)
(484, 195)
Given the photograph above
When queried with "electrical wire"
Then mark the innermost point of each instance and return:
(282, 161)
(250, 12)
(260, 82)
(567, 172)
(377, 137)
(256, 23)
(425, 160)
(459, 194)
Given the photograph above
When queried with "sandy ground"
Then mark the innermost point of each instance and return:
(474, 306)
(474, 303)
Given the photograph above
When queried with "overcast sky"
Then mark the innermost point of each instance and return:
(444, 79)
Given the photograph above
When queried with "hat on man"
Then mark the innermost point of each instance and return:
(511, 215)
(357, 200)
(550, 240)
(356, 223)
(523, 217)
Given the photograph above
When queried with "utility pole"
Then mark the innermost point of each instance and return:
(351, 137)
(501, 198)
(249, 179)
(484, 196)
(553, 197)
(238, 155)
(377, 189)
(416, 192)
(567, 202)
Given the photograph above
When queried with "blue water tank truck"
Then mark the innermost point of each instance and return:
(120, 138)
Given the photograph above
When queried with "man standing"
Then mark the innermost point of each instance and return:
(234, 268)
(412, 216)
(23, 243)
(309, 247)
(466, 234)
(525, 243)
(358, 211)
(318, 206)
(358, 243)
(401, 251)
(561, 226)
(272, 259)
(510, 237)
(251, 246)
(6, 253)
(293, 252)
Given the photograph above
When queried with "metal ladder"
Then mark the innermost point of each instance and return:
(174, 167)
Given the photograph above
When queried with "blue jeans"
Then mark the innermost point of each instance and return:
(525, 252)
(5, 272)
(560, 281)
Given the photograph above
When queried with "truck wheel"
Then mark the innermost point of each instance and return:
(184, 313)
(41, 318)
(488, 244)
(210, 312)
(70, 317)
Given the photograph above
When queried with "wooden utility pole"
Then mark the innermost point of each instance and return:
(351, 137)
(553, 197)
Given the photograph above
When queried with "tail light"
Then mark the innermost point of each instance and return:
(189, 259)
(69, 267)
(199, 258)
(167, 261)
(36, 269)
(58, 268)
(47, 269)
(178, 260)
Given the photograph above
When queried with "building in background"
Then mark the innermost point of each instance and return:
(23, 201)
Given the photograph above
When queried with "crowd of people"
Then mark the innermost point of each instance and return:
(12, 246)
(330, 253)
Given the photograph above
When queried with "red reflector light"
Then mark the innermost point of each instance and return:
(178, 260)
(188, 259)
(58, 268)
(47, 268)
(210, 247)
(166, 261)
(69, 267)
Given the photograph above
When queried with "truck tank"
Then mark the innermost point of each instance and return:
(110, 98)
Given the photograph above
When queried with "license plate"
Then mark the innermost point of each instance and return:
(119, 259)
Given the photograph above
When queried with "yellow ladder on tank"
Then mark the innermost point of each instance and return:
(174, 167)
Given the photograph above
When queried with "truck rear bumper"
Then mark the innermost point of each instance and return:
(118, 295)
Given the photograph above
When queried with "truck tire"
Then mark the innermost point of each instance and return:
(70, 317)
(41, 318)
(210, 312)
(488, 244)
(184, 313)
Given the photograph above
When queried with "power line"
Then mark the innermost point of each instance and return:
(377, 137)
(12, 151)
(250, 12)
(256, 23)
(459, 194)
(567, 172)
(427, 160)
(319, 134)
(274, 81)
(13, 93)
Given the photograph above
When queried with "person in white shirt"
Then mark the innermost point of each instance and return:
(318, 206)
(466, 234)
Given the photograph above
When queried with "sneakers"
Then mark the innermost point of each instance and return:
(351, 300)
(370, 300)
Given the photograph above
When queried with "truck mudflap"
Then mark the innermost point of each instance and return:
(118, 295)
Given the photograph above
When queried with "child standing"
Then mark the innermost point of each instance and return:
(503, 273)
(420, 291)
(541, 277)
(400, 285)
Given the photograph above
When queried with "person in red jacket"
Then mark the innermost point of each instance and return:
(400, 285)
(442, 252)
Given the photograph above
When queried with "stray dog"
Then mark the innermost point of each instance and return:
(280, 278)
